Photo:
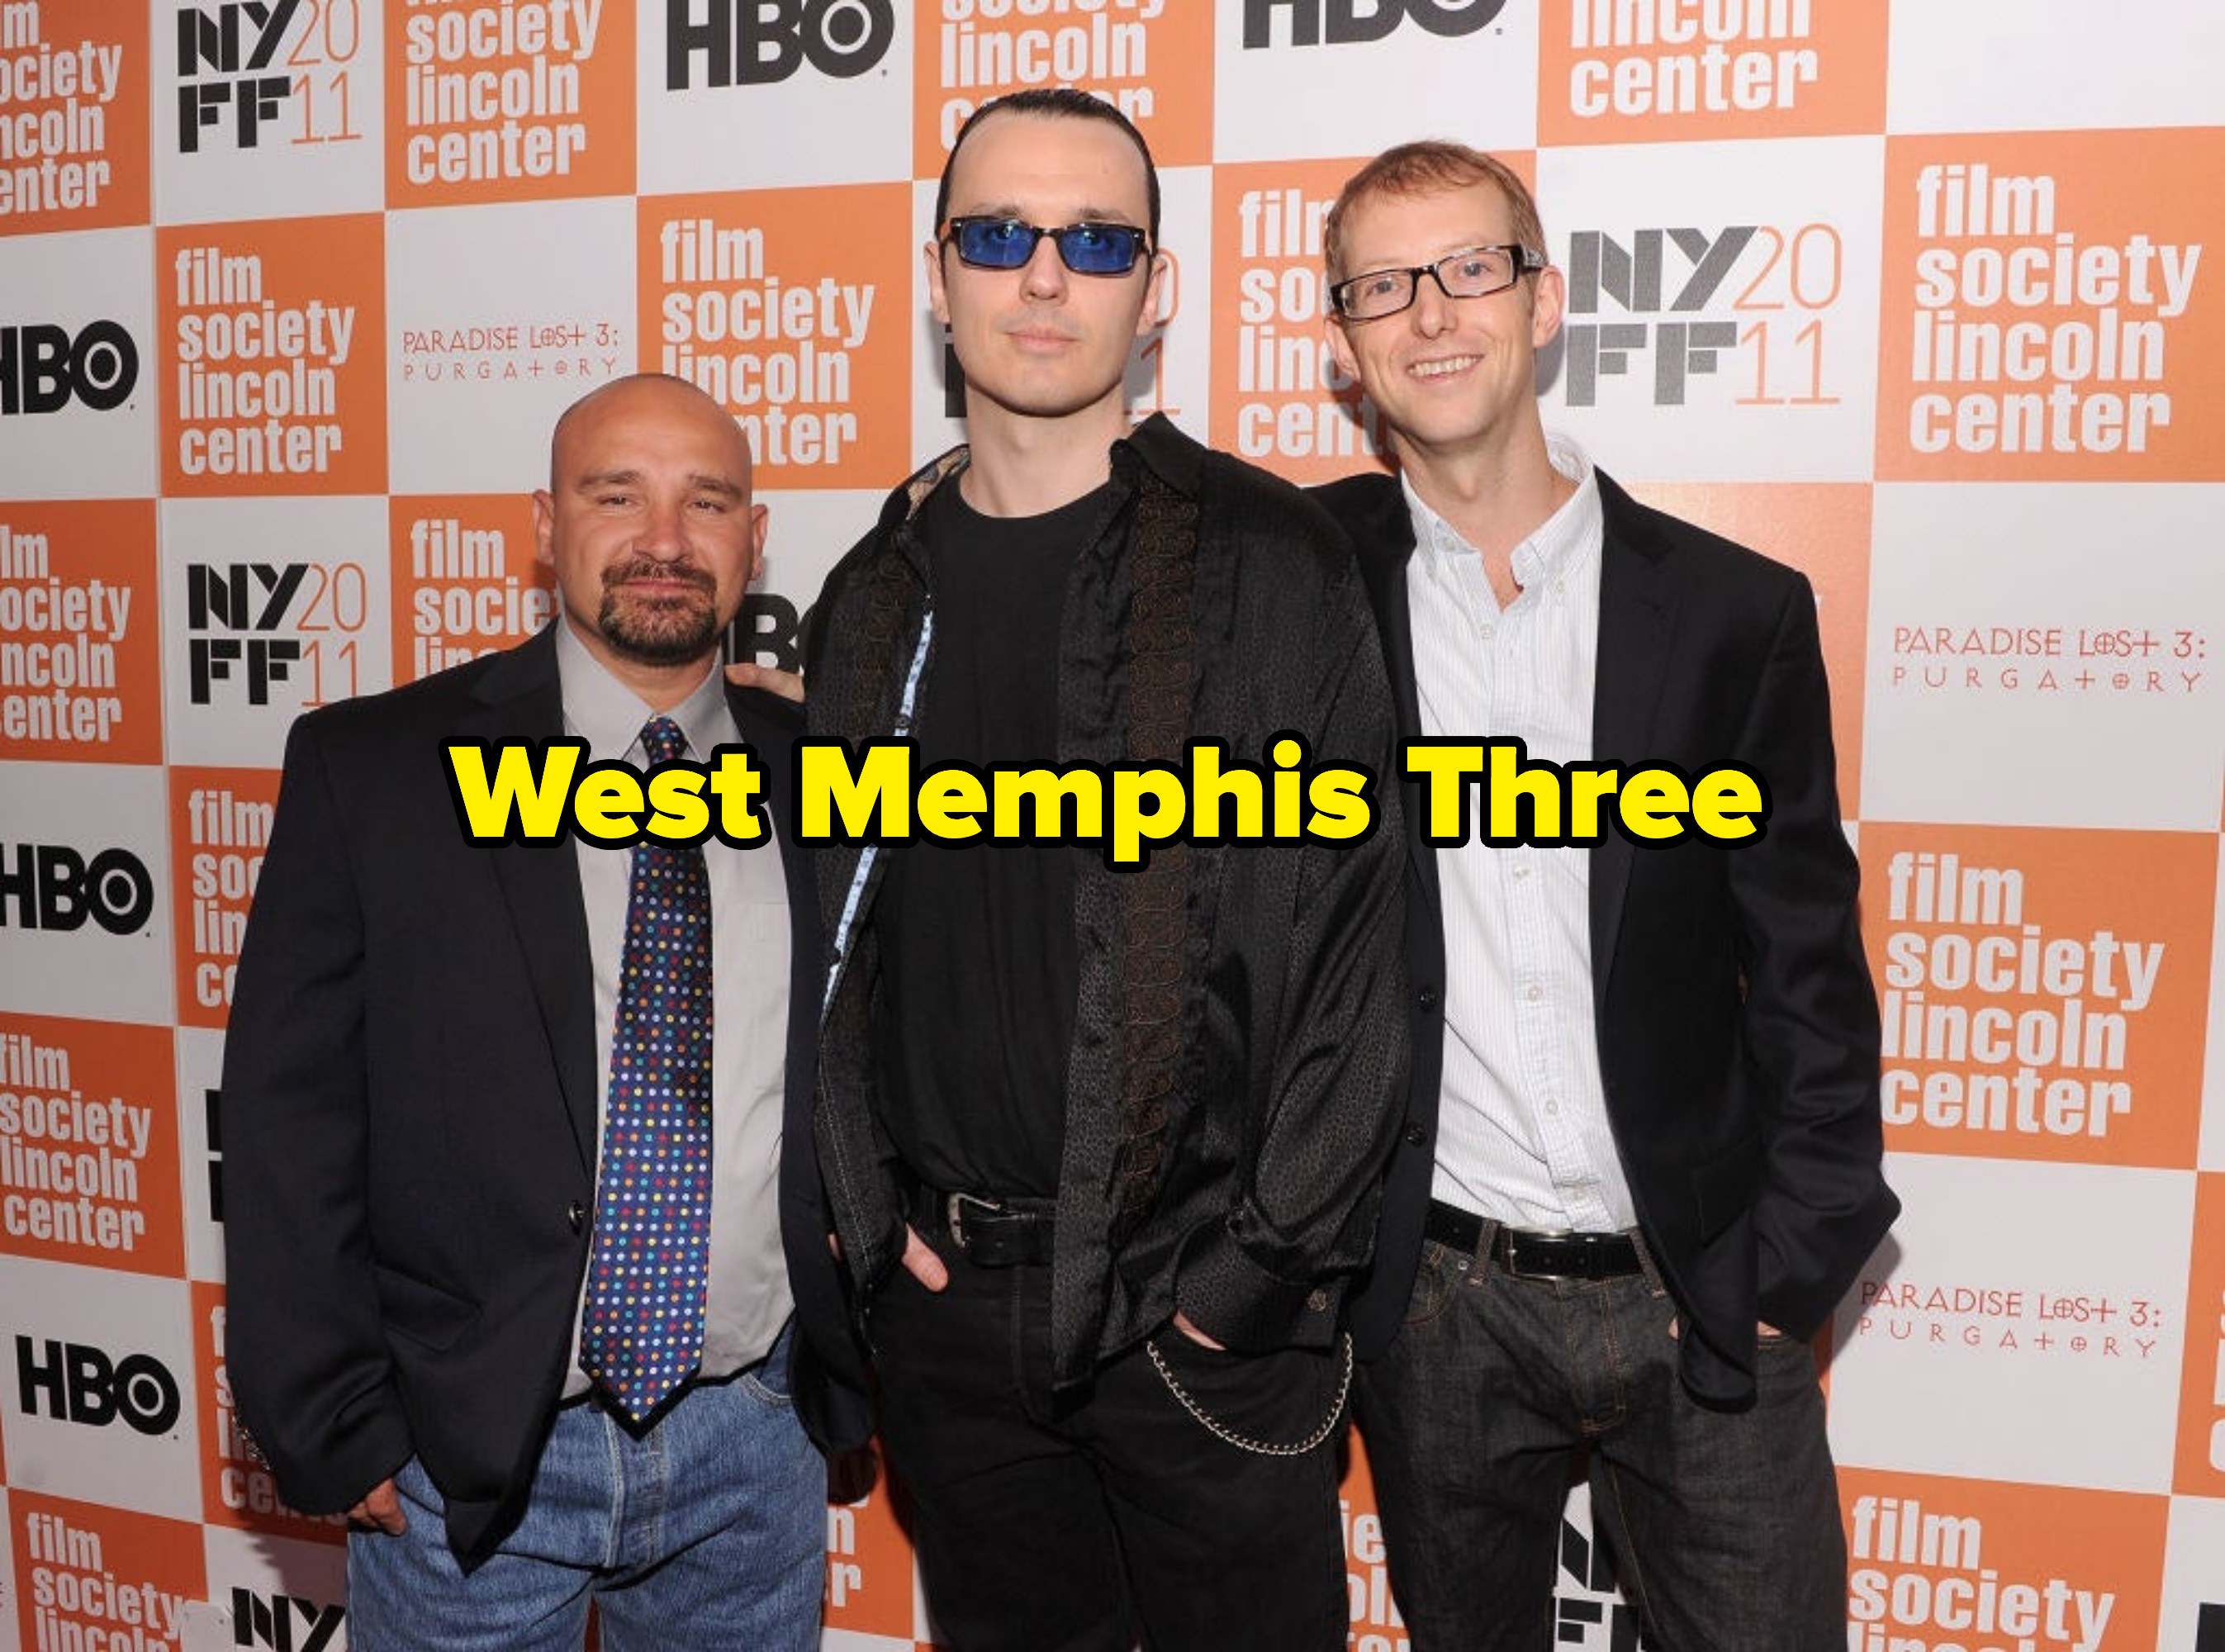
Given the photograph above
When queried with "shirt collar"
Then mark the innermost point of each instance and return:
(1558, 546)
(609, 715)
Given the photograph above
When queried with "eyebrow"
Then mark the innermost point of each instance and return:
(1452, 249)
(699, 481)
(1085, 213)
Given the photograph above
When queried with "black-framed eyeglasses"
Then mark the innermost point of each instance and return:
(1086, 249)
(1473, 273)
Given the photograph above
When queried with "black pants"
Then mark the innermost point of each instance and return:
(1072, 1526)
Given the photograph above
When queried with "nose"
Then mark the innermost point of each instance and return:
(1045, 273)
(1433, 311)
(663, 528)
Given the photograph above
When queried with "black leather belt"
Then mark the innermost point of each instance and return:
(1532, 1255)
(991, 1231)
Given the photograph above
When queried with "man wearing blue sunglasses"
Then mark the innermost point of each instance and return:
(1101, 1146)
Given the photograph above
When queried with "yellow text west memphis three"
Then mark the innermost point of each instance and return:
(525, 791)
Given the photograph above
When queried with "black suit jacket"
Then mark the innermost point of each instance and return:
(1737, 1024)
(410, 1111)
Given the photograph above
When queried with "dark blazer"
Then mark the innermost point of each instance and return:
(1737, 1023)
(410, 1111)
(1237, 1056)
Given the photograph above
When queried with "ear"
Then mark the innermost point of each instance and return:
(1547, 300)
(937, 300)
(758, 516)
(544, 527)
(1340, 347)
(1155, 285)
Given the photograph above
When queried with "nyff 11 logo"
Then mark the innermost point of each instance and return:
(1701, 301)
(233, 85)
(285, 1623)
(254, 627)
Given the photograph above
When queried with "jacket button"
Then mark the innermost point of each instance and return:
(1427, 998)
(1317, 1302)
(1417, 1135)
(576, 1214)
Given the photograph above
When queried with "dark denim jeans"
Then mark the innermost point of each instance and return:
(1070, 1525)
(1724, 1527)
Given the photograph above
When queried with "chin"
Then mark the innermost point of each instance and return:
(663, 636)
(1040, 401)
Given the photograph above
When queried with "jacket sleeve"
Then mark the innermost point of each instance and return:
(1273, 1271)
(306, 1353)
(856, 1158)
(1811, 1015)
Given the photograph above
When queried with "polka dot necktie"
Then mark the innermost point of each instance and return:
(642, 1333)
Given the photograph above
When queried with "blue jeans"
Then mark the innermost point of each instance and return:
(709, 1531)
(1724, 1527)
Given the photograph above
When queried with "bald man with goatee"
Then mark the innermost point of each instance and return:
(524, 1253)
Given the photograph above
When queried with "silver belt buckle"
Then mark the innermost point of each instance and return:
(954, 1212)
(1514, 1263)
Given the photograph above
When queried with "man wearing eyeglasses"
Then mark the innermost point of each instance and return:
(1101, 1146)
(1641, 1158)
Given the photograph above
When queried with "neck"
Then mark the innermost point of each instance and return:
(1494, 494)
(1024, 466)
(659, 686)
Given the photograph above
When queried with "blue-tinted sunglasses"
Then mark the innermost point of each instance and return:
(1008, 244)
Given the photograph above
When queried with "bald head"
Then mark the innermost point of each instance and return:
(638, 395)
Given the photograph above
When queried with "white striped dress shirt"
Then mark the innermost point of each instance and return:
(1523, 1132)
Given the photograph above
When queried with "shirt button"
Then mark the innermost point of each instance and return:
(1521, 871)
(1427, 998)
(1552, 1108)
(1487, 631)
(1534, 993)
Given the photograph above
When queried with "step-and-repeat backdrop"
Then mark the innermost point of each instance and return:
(1918, 296)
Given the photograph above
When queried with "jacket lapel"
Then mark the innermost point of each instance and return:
(1384, 538)
(1637, 612)
(520, 698)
